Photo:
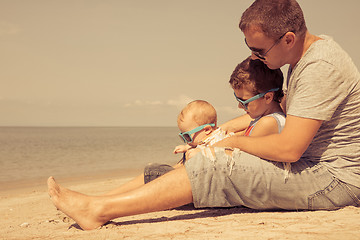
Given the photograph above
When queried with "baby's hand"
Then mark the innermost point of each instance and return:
(192, 152)
(181, 148)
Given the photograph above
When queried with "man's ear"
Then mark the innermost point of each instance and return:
(290, 39)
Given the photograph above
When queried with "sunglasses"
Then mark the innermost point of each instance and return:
(258, 53)
(245, 103)
(186, 136)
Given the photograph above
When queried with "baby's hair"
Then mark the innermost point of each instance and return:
(202, 112)
(256, 74)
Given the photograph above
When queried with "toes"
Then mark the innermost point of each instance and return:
(51, 181)
(53, 188)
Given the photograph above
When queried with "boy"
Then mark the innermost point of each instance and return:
(258, 90)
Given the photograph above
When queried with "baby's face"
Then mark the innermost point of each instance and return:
(188, 124)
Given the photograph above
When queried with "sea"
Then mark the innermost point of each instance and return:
(33, 153)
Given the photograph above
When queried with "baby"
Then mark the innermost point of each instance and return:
(198, 125)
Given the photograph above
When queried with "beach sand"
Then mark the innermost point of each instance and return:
(27, 213)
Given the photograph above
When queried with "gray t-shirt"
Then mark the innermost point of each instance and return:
(325, 85)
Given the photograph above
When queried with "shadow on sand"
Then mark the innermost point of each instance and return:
(205, 213)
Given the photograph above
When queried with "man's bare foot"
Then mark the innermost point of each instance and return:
(81, 208)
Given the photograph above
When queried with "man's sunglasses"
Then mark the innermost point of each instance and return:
(186, 136)
(262, 56)
(244, 104)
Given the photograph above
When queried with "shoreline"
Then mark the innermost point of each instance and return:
(30, 214)
(12, 188)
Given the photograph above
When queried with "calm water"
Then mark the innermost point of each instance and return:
(33, 152)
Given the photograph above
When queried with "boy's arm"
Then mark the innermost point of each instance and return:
(287, 146)
(265, 126)
(237, 124)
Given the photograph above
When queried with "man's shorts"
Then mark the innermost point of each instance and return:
(223, 180)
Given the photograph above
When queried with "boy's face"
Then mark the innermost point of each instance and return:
(255, 108)
(188, 124)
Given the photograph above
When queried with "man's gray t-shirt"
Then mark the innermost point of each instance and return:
(325, 85)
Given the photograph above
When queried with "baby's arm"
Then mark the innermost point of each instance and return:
(181, 148)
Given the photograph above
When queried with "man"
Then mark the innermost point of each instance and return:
(321, 137)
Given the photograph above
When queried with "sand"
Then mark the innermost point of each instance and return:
(28, 213)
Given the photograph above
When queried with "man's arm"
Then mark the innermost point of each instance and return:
(287, 146)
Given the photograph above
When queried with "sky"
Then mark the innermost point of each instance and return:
(133, 62)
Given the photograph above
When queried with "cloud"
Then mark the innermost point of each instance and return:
(141, 103)
(178, 102)
(7, 28)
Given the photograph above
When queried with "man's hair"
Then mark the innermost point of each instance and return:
(275, 18)
(261, 78)
(202, 112)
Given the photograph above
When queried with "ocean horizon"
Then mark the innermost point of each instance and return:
(28, 153)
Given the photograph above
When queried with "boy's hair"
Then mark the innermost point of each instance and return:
(275, 17)
(261, 78)
(202, 112)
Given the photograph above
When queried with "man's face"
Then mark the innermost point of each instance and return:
(265, 48)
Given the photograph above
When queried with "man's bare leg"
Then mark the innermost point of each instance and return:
(168, 191)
